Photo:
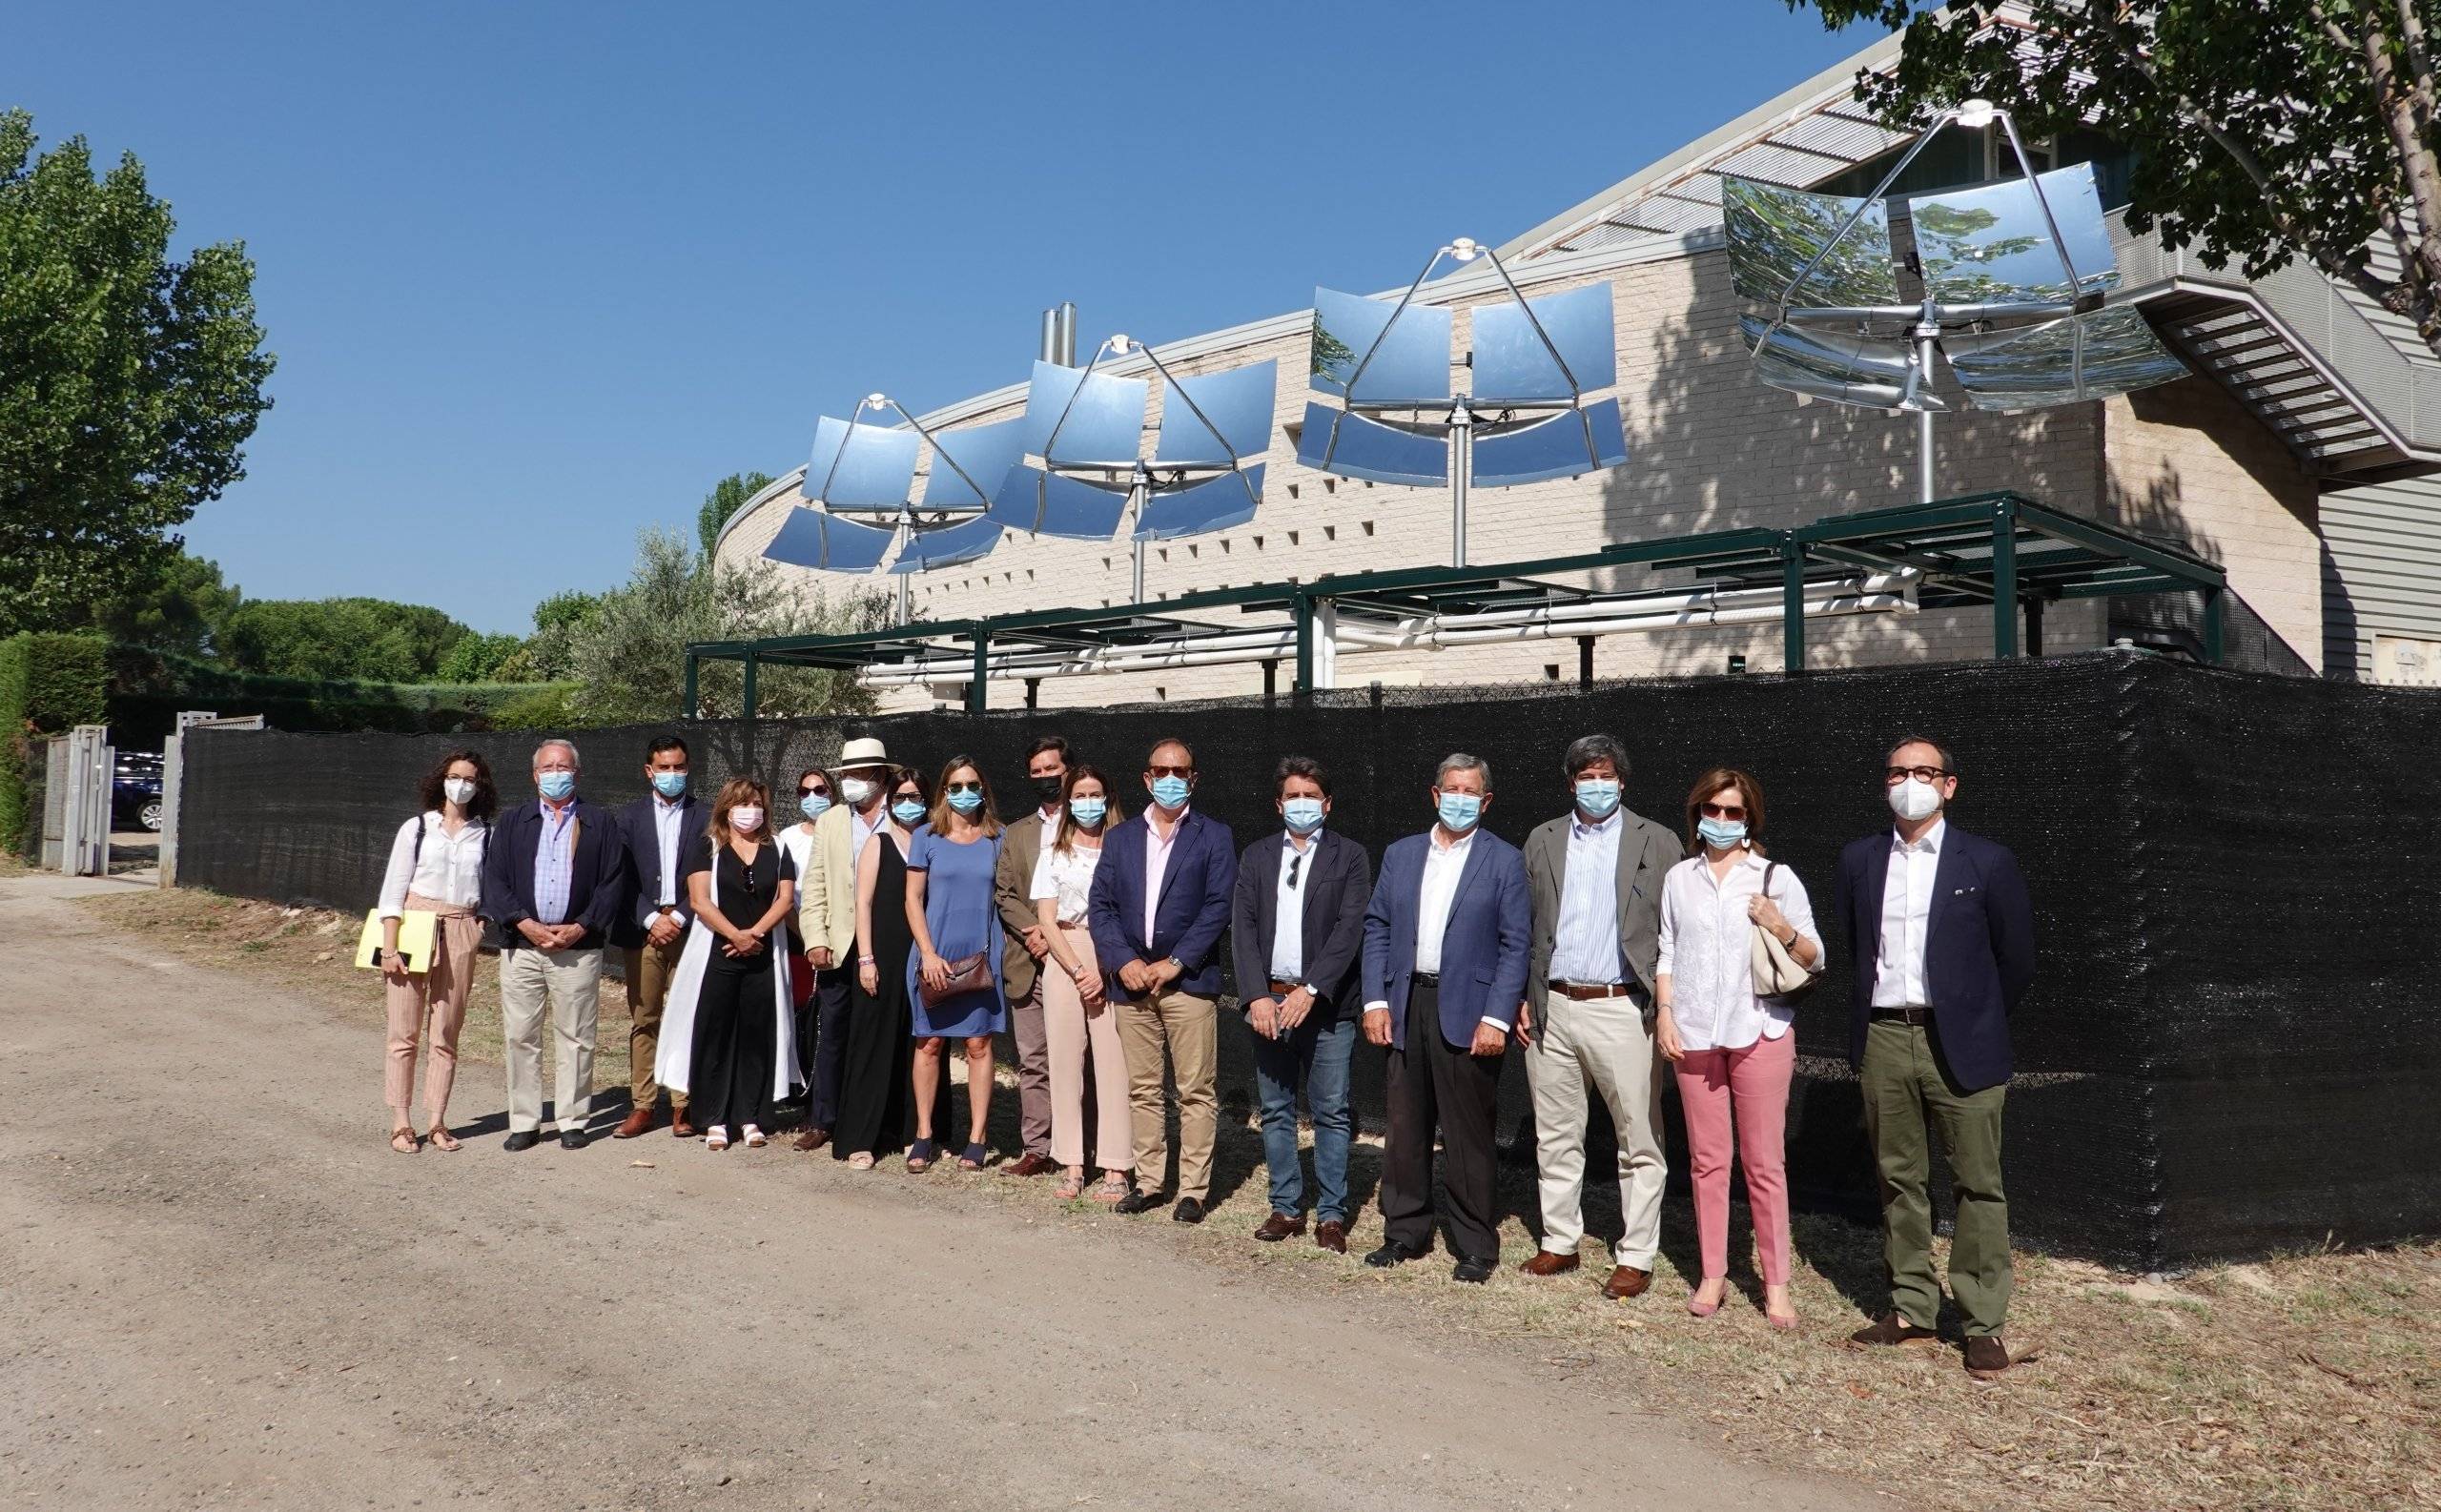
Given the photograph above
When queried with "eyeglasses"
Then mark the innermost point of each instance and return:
(1169, 771)
(813, 793)
(1724, 810)
(906, 795)
(1899, 774)
(966, 788)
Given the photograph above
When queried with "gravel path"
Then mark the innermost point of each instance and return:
(224, 1290)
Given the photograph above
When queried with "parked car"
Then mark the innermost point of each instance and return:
(135, 790)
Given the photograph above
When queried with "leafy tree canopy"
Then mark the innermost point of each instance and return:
(727, 497)
(477, 657)
(129, 382)
(179, 607)
(369, 639)
(2264, 130)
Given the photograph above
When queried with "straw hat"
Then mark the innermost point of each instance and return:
(860, 753)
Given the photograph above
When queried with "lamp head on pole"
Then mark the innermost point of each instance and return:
(1465, 249)
(1976, 113)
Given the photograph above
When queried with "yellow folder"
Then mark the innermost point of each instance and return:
(416, 929)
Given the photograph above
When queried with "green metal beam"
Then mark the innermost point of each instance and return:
(2004, 577)
(978, 686)
(1792, 602)
(687, 709)
(2121, 544)
(750, 682)
(1303, 608)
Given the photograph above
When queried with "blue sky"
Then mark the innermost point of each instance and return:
(539, 274)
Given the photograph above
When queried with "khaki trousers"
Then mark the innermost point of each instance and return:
(1184, 1026)
(1072, 1034)
(649, 968)
(1907, 1092)
(568, 984)
(431, 1006)
(1606, 1045)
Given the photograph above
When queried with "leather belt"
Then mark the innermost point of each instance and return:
(1916, 1018)
(1592, 992)
(1425, 978)
(1284, 989)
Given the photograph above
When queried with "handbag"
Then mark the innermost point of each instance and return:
(968, 973)
(800, 979)
(1777, 972)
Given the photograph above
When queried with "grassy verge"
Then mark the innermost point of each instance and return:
(2306, 1384)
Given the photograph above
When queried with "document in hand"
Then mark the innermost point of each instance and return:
(416, 929)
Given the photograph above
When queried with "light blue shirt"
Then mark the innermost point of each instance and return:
(1585, 947)
(555, 862)
(666, 818)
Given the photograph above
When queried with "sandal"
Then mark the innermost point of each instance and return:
(716, 1138)
(1111, 1189)
(754, 1138)
(410, 1147)
(861, 1160)
(441, 1139)
(1070, 1187)
(974, 1157)
(921, 1154)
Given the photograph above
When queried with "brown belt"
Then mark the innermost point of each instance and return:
(1591, 992)
(1284, 989)
(1919, 1018)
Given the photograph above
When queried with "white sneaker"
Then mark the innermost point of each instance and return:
(754, 1139)
(716, 1138)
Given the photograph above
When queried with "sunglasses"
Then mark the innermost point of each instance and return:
(966, 788)
(813, 793)
(1724, 810)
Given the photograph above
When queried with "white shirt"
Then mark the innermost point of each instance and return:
(1906, 917)
(1442, 867)
(1707, 950)
(800, 842)
(450, 870)
(1067, 876)
(859, 830)
(666, 818)
(1156, 865)
(1585, 946)
(1288, 907)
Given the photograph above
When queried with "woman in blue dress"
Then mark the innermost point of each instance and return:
(952, 913)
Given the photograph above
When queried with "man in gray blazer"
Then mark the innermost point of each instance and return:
(1594, 875)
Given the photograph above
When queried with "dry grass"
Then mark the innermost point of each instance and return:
(2308, 1383)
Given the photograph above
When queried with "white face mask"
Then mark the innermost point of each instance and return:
(744, 819)
(459, 790)
(1913, 799)
(857, 790)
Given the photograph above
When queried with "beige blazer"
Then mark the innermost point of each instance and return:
(1020, 848)
(826, 897)
(1647, 852)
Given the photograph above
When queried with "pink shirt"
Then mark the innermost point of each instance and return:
(1156, 865)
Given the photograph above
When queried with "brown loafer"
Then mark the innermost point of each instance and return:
(1033, 1163)
(679, 1126)
(1986, 1357)
(637, 1121)
(1546, 1263)
(1277, 1226)
(813, 1140)
(1891, 1329)
(1331, 1234)
(1625, 1282)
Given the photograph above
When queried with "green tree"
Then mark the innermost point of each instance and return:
(547, 654)
(2266, 130)
(631, 657)
(368, 639)
(179, 606)
(477, 657)
(128, 382)
(727, 497)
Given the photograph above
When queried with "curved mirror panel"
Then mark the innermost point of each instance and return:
(868, 467)
(2070, 361)
(1214, 504)
(1403, 361)
(982, 453)
(1099, 418)
(1237, 402)
(1843, 367)
(1354, 446)
(1512, 366)
(1774, 233)
(1585, 441)
(948, 546)
(1990, 245)
(814, 539)
(1078, 510)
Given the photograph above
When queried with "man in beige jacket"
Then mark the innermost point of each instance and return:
(1022, 844)
(827, 918)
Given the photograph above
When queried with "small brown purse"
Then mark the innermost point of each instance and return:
(968, 973)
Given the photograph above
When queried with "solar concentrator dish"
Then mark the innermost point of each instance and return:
(949, 546)
(2066, 361)
(1391, 363)
(1845, 367)
(1076, 418)
(1565, 445)
(1354, 445)
(1993, 246)
(1774, 232)
(1214, 503)
(860, 467)
(981, 453)
(1512, 365)
(1237, 403)
(811, 539)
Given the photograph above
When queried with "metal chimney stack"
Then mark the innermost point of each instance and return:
(1060, 335)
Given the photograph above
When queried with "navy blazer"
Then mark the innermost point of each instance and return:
(1978, 947)
(597, 880)
(1484, 947)
(1331, 932)
(1188, 918)
(641, 843)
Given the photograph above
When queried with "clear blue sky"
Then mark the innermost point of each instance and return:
(538, 275)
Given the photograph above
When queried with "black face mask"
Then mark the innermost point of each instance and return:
(1046, 789)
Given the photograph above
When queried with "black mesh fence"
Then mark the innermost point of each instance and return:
(2236, 879)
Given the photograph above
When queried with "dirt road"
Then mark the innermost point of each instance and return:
(224, 1290)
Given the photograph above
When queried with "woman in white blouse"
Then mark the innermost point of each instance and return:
(1731, 1047)
(437, 867)
(1076, 1018)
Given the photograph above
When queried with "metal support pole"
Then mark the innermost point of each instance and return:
(1301, 609)
(1034, 693)
(687, 710)
(1139, 493)
(906, 580)
(2212, 626)
(1927, 332)
(1270, 683)
(1326, 643)
(748, 711)
(1792, 604)
(2004, 580)
(2034, 625)
(978, 688)
(1461, 466)
(1585, 662)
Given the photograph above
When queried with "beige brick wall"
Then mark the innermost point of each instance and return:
(1710, 448)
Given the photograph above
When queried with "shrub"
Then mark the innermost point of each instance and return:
(49, 685)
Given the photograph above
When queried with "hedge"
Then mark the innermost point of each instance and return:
(149, 689)
(49, 685)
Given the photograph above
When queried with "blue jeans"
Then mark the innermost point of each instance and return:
(1313, 1058)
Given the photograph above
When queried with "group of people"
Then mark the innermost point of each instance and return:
(818, 973)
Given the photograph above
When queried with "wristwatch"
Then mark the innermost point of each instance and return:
(1180, 965)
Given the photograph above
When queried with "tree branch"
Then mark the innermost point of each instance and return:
(2419, 61)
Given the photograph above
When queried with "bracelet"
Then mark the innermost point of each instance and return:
(864, 960)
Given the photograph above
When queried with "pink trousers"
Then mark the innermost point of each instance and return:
(431, 1006)
(1756, 1080)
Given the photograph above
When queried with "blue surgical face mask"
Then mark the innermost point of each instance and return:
(965, 800)
(1598, 796)
(1170, 791)
(813, 805)
(907, 811)
(669, 784)
(556, 786)
(1303, 815)
(1089, 812)
(1721, 833)
(1458, 811)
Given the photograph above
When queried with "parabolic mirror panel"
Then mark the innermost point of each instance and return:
(1237, 402)
(1512, 366)
(949, 546)
(1357, 446)
(1100, 418)
(868, 467)
(1216, 503)
(1411, 364)
(2083, 357)
(1774, 232)
(809, 537)
(1078, 511)
(1587, 440)
(983, 453)
(1990, 245)
(1841, 366)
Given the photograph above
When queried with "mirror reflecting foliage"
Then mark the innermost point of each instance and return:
(1843, 366)
(2083, 358)
(1401, 361)
(1774, 232)
(1992, 246)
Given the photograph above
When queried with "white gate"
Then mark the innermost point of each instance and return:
(85, 815)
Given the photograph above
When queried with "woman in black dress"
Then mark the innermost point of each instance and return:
(876, 1075)
(736, 1034)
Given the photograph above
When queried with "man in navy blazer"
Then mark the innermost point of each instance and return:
(1941, 941)
(657, 833)
(1296, 934)
(1159, 903)
(554, 878)
(1446, 939)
